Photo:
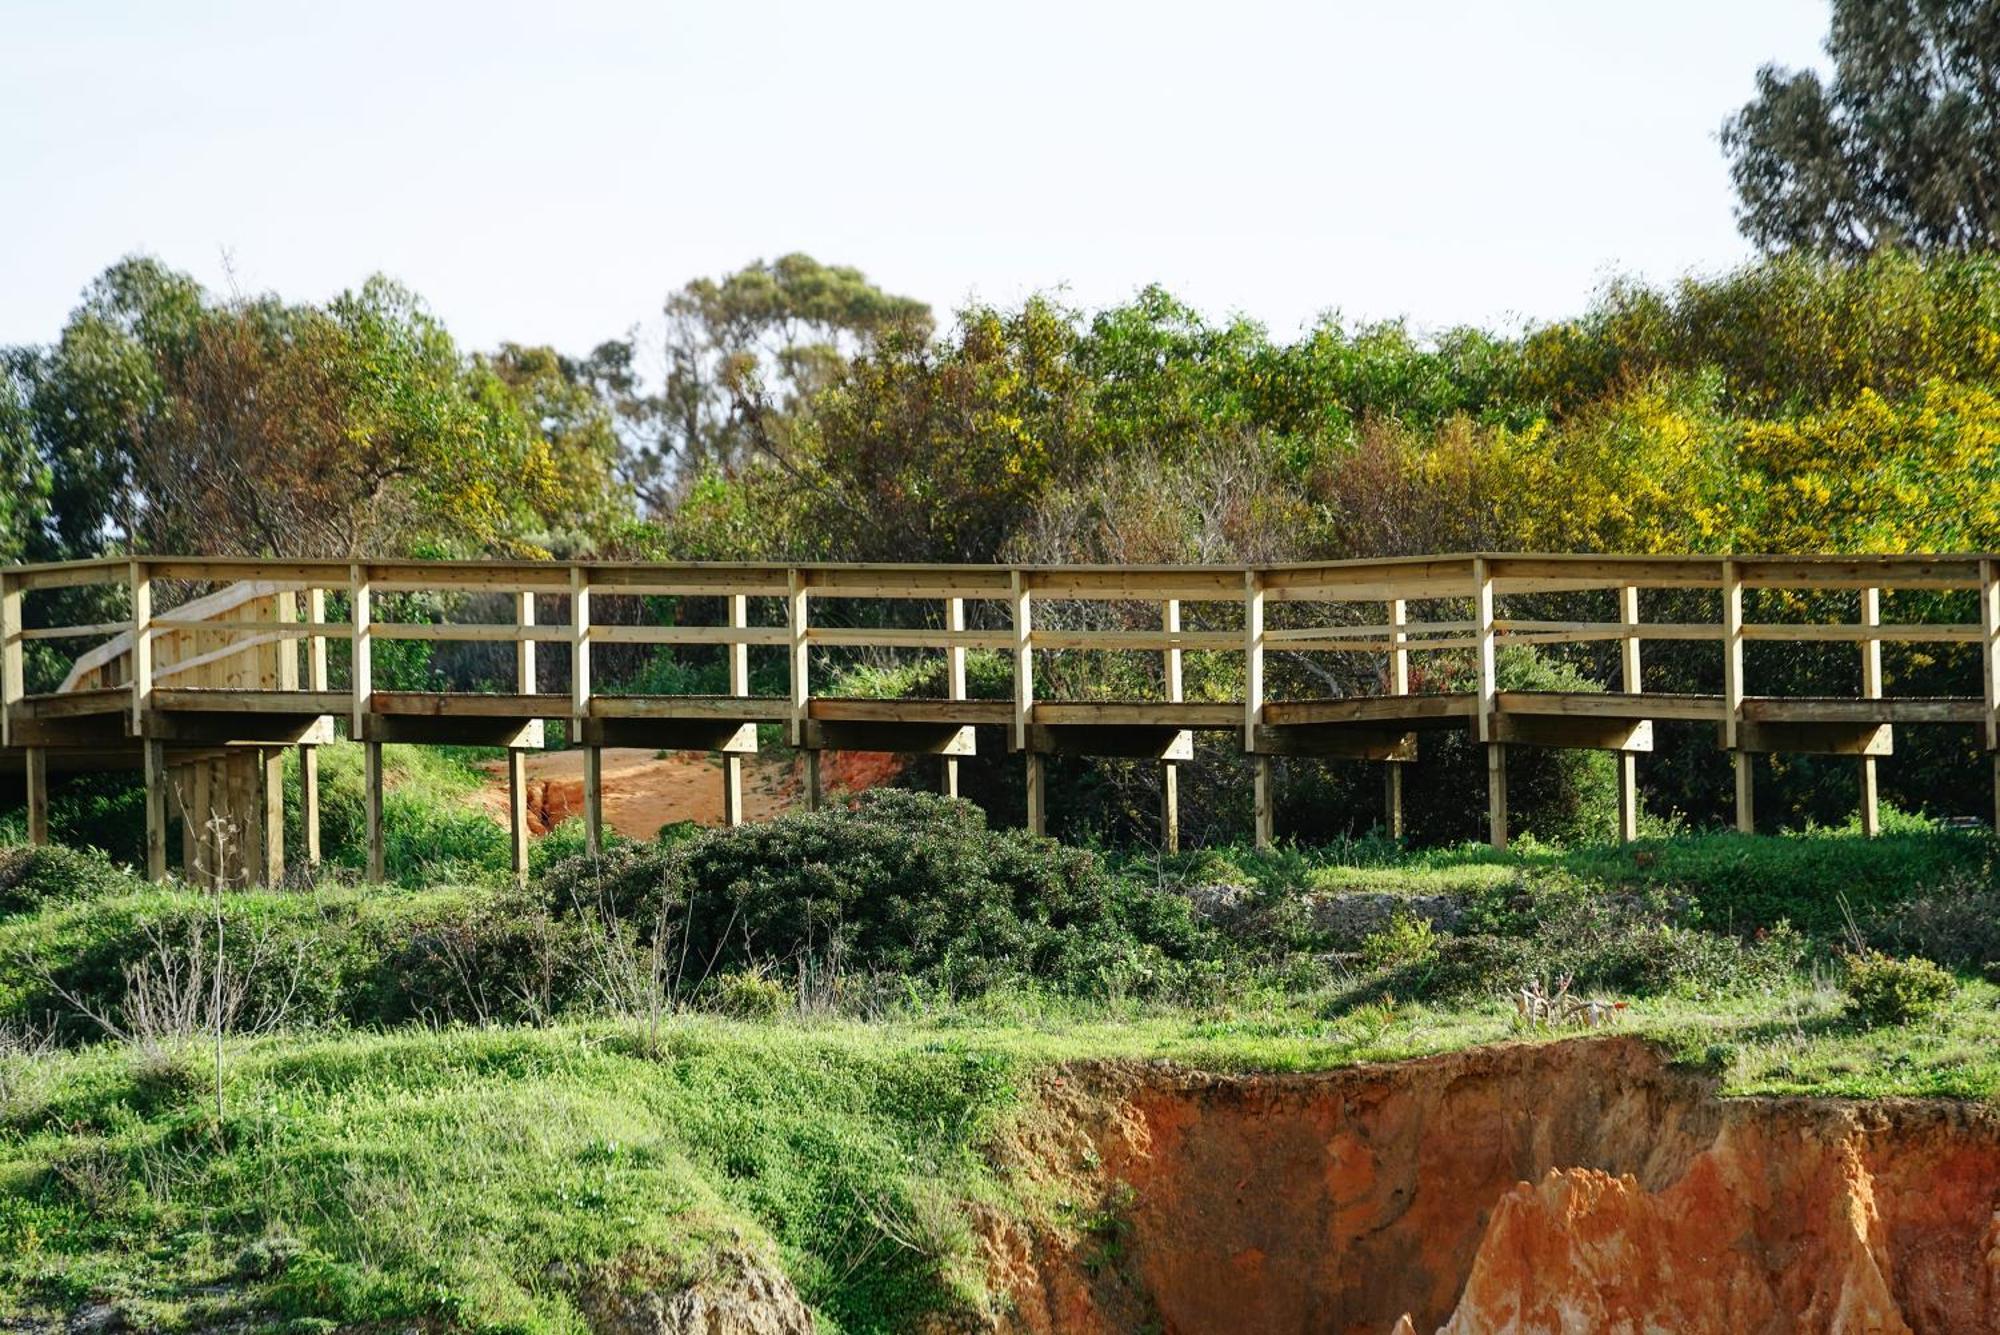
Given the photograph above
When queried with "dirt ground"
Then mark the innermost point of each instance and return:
(644, 790)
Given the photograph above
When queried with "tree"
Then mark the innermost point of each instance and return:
(1901, 148)
(163, 420)
(924, 452)
(743, 355)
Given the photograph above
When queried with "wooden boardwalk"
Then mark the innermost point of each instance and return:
(223, 663)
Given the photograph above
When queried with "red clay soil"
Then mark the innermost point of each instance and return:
(1576, 1187)
(644, 790)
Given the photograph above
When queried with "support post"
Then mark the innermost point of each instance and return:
(1871, 689)
(1399, 684)
(954, 677)
(1262, 798)
(1732, 693)
(517, 813)
(1038, 813)
(156, 810)
(815, 798)
(593, 800)
(1170, 774)
(1629, 678)
(739, 685)
(38, 796)
(142, 649)
(1489, 689)
(309, 803)
(270, 866)
(1253, 702)
(371, 784)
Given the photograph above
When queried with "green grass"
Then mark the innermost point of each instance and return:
(440, 1174)
(370, 1168)
(1737, 882)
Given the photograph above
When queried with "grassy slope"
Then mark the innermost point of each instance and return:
(415, 1173)
(420, 1173)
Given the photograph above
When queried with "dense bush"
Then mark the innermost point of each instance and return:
(904, 883)
(1882, 989)
(31, 877)
(1549, 926)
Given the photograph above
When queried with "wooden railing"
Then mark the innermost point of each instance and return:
(1392, 609)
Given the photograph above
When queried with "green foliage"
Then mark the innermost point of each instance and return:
(1549, 926)
(747, 994)
(903, 884)
(1407, 942)
(1891, 151)
(1884, 990)
(33, 877)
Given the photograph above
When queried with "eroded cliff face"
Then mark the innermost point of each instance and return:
(1582, 1186)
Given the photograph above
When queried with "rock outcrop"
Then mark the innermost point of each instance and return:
(1583, 1186)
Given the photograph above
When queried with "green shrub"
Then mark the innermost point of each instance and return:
(748, 994)
(31, 877)
(1884, 990)
(904, 883)
(1407, 940)
(1549, 925)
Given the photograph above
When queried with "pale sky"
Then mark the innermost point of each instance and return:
(548, 172)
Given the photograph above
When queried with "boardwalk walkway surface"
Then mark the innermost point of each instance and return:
(222, 663)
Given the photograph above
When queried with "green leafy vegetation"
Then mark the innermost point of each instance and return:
(1885, 990)
(799, 1039)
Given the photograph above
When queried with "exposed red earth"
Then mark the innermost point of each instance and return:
(1583, 1186)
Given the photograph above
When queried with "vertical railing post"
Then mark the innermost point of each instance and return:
(142, 645)
(1170, 774)
(1253, 704)
(13, 669)
(142, 700)
(1399, 684)
(738, 655)
(517, 756)
(1989, 616)
(270, 767)
(579, 711)
(1732, 695)
(1629, 682)
(360, 601)
(309, 752)
(798, 617)
(1489, 701)
(1871, 689)
(954, 676)
(13, 679)
(1024, 700)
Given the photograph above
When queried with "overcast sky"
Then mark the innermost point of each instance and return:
(547, 172)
